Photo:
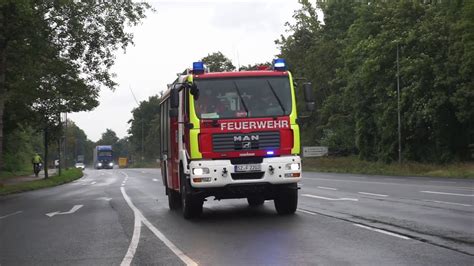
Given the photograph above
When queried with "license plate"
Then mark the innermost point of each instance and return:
(248, 168)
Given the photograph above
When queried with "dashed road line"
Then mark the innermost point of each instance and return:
(11, 214)
(447, 193)
(372, 194)
(328, 188)
(449, 203)
(93, 183)
(332, 199)
(381, 231)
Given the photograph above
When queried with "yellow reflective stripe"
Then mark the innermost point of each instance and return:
(194, 132)
(293, 116)
(296, 139)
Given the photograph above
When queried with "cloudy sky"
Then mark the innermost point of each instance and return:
(174, 36)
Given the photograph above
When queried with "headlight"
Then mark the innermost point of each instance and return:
(201, 171)
(99, 164)
(111, 164)
(292, 166)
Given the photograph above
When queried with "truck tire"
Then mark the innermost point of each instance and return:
(255, 201)
(174, 200)
(191, 206)
(286, 201)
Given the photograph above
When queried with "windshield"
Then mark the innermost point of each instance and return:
(243, 97)
(105, 153)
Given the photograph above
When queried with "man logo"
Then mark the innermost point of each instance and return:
(246, 145)
(246, 138)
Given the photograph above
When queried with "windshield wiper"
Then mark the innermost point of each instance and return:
(241, 99)
(276, 96)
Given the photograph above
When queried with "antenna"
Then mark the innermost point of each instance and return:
(133, 94)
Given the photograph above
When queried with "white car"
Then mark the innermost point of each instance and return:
(80, 165)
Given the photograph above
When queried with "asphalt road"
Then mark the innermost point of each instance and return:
(113, 217)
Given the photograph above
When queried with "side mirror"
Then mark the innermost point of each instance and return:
(174, 98)
(308, 96)
(194, 91)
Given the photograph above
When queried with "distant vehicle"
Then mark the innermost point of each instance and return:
(103, 157)
(37, 168)
(123, 162)
(80, 165)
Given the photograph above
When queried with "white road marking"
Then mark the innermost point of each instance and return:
(11, 214)
(132, 248)
(93, 183)
(381, 231)
(447, 193)
(372, 194)
(316, 179)
(154, 179)
(308, 212)
(328, 188)
(71, 211)
(104, 198)
(138, 215)
(447, 182)
(143, 172)
(450, 203)
(325, 198)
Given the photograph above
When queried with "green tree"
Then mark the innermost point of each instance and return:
(351, 60)
(145, 129)
(109, 137)
(54, 56)
(217, 62)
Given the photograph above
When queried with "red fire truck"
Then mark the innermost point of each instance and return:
(231, 135)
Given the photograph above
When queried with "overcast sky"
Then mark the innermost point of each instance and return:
(174, 36)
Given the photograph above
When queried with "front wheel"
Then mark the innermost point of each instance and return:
(174, 200)
(191, 205)
(286, 201)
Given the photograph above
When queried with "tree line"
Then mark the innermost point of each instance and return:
(55, 56)
(351, 57)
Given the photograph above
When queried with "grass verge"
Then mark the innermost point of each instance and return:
(66, 176)
(144, 165)
(7, 174)
(353, 165)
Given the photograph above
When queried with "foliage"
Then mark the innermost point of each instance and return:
(21, 145)
(351, 61)
(145, 130)
(217, 62)
(55, 56)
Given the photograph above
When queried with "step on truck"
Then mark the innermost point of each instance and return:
(231, 135)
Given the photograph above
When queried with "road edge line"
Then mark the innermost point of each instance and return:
(187, 260)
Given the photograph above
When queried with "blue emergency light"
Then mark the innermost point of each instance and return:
(198, 67)
(279, 64)
(270, 152)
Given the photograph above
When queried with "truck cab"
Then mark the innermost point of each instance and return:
(231, 135)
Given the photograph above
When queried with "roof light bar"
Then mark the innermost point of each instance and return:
(198, 67)
(279, 64)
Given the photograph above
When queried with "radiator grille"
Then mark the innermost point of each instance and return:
(251, 141)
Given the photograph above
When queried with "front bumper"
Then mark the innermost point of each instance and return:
(222, 173)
